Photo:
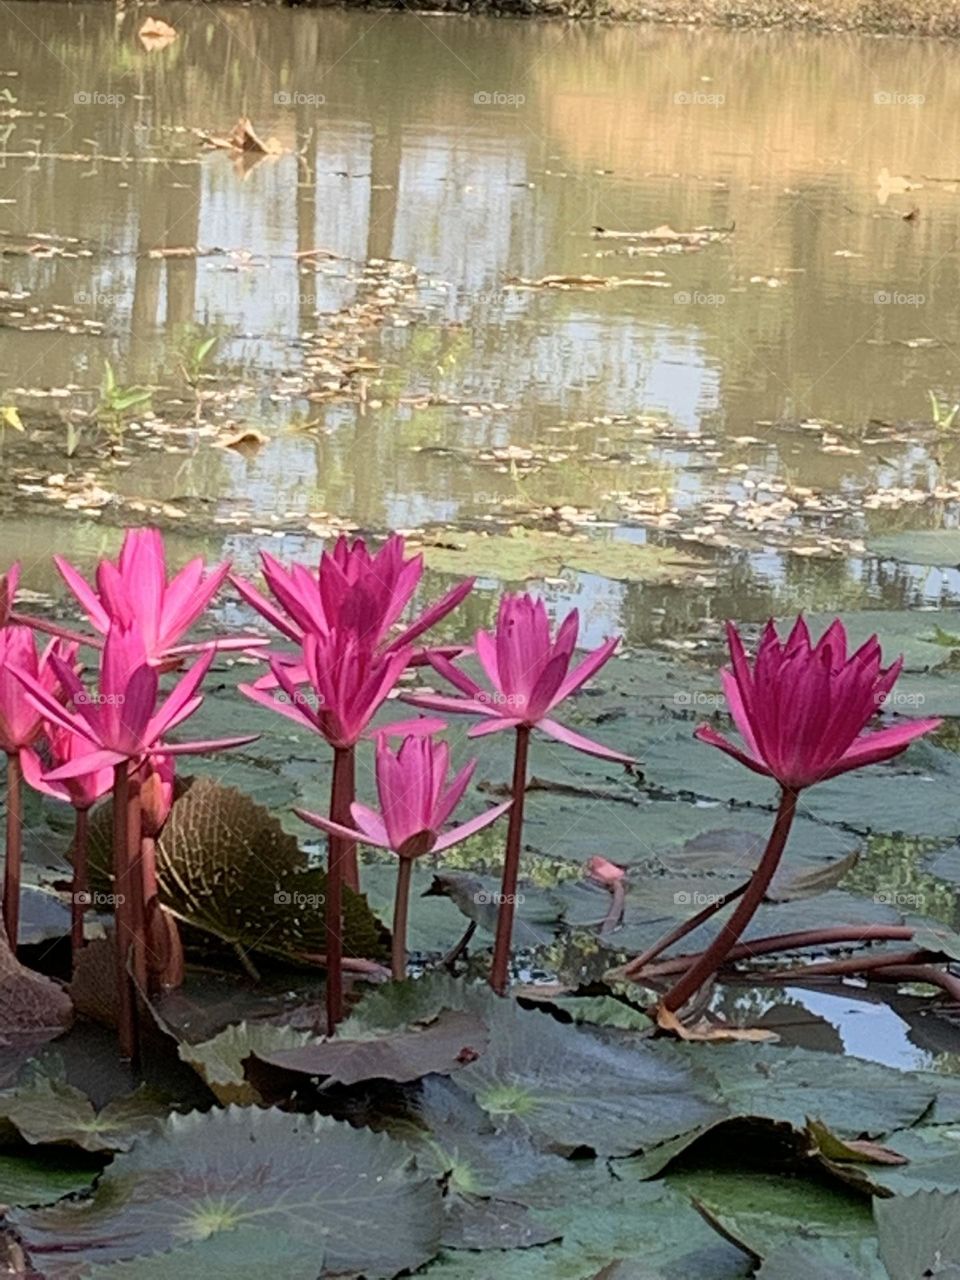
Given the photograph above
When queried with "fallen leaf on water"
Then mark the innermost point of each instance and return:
(156, 34)
(247, 442)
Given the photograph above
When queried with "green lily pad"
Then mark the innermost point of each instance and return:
(919, 1235)
(41, 1177)
(523, 554)
(602, 1011)
(824, 1260)
(569, 1089)
(51, 1111)
(933, 1152)
(219, 1061)
(760, 1212)
(355, 1197)
(246, 1253)
(853, 1098)
(399, 1004)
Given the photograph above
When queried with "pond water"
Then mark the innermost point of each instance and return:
(743, 368)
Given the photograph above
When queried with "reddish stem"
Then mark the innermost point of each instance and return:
(138, 927)
(14, 850)
(728, 937)
(511, 865)
(791, 942)
(341, 798)
(401, 909)
(614, 916)
(80, 887)
(852, 964)
(348, 784)
(947, 982)
(681, 930)
(126, 996)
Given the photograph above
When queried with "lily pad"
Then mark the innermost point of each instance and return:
(219, 1061)
(42, 1177)
(51, 1111)
(853, 1098)
(247, 1253)
(919, 1235)
(449, 1042)
(353, 1196)
(571, 1090)
(523, 554)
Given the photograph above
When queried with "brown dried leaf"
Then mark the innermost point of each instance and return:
(704, 1030)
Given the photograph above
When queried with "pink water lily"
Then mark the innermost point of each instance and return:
(9, 582)
(347, 683)
(62, 747)
(352, 590)
(803, 709)
(120, 719)
(528, 672)
(136, 589)
(417, 799)
(20, 721)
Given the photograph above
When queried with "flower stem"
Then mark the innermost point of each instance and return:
(80, 887)
(511, 865)
(14, 850)
(126, 996)
(728, 937)
(348, 785)
(401, 907)
(788, 942)
(138, 928)
(341, 797)
(636, 966)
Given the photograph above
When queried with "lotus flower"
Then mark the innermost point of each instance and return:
(136, 590)
(416, 800)
(528, 673)
(351, 590)
(803, 709)
(120, 720)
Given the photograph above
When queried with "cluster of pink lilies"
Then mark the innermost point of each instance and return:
(803, 712)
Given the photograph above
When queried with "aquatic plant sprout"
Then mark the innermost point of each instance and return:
(803, 711)
(416, 801)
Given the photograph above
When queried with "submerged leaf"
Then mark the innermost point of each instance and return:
(52, 1111)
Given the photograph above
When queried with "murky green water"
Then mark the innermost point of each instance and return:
(755, 369)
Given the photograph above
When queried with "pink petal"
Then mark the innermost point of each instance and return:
(287, 709)
(332, 828)
(495, 725)
(705, 733)
(872, 748)
(468, 829)
(587, 668)
(81, 765)
(205, 744)
(459, 679)
(263, 606)
(88, 598)
(580, 743)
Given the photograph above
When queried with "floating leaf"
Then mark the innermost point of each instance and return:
(355, 1197)
(919, 1235)
(450, 1041)
(51, 1111)
(219, 1061)
(572, 1090)
(42, 1177)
